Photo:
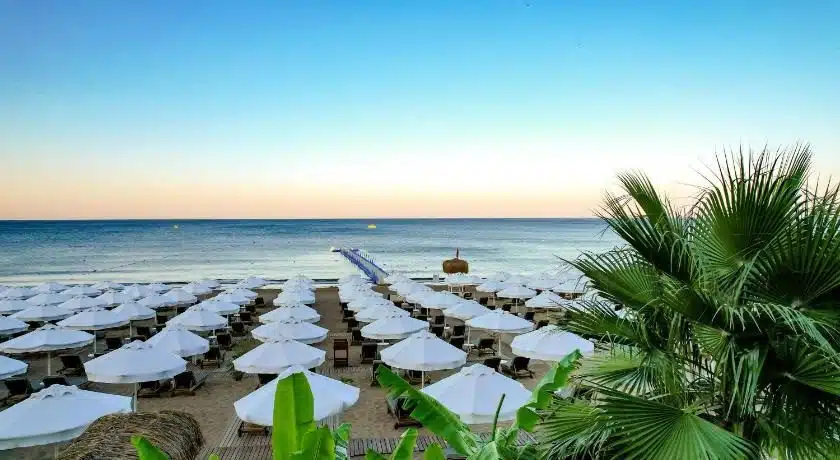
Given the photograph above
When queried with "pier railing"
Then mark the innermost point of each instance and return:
(365, 263)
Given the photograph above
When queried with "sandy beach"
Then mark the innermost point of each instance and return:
(213, 403)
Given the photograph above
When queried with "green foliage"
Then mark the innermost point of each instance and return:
(725, 347)
(147, 450)
(403, 451)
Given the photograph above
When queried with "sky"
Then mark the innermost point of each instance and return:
(432, 108)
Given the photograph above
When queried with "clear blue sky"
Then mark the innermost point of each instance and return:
(377, 108)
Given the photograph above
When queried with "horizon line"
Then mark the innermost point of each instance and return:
(187, 219)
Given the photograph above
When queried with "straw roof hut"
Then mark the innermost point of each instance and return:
(109, 438)
(456, 265)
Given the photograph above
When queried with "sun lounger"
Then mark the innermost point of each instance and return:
(79, 381)
(376, 365)
(250, 428)
(341, 353)
(402, 416)
(237, 329)
(71, 365)
(493, 363)
(485, 346)
(225, 341)
(18, 388)
(112, 343)
(265, 378)
(368, 352)
(518, 367)
(356, 337)
(151, 389)
(186, 383)
(213, 357)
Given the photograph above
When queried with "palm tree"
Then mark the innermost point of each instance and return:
(717, 323)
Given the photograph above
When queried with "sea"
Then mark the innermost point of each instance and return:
(181, 250)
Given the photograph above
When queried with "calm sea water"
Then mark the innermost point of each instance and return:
(169, 250)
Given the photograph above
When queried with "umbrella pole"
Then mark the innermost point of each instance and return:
(135, 398)
(422, 379)
(49, 363)
(129, 328)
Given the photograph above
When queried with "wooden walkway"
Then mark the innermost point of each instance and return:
(258, 446)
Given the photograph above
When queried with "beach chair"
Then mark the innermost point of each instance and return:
(251, 308)
(145, 331)
(186, 383)
(352, 323)
(439, 320)
(368, 352)
(246, 318)
(485, 346)
(263, 379)
(416, 377)
(259, 302)
(250, 428)
(518, 367)
(459, 331)
(424, 312)
(542, 324)
(161, 319)
(457, 342)
(356, 338)
(341, 353)
(374, 369)
(437, 330)
(225, 341)
(347, 315)
(18, 390)
(71, 365)
(112, 343)
(180, 309)
(507, 307)
(409, 310)
(150, 389)
(529, 315)
(79, 381)
(237, 329)
(493, 363)
(483, 300)
(141, 338)
(396, 407)
(468, 295)
(422, 317)
(491, 307)
(213, 357)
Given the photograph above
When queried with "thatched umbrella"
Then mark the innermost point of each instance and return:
(456, 265)
(178, 434)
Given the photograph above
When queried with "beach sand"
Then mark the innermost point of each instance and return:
(213, 403)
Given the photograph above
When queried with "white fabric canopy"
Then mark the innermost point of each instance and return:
(51, 287)
(134, 362)
(134, 311)
(293, 329)
(82, 289)
(550, 343)
(199, 319)
(136, 291)
(350, 294)
(47, 338)
(10, 367)
(19, 293)
(114, 298)
(569, 287)
(396, 278)
(252, 282)
(219, 307)
(94, 319)
(107, 286)
(209, 282)
(542, 283)
(440, 300)
(81, 302)
(299, 312)
(371, 314)
(180, 297)
(516, 292)
(423, 351)
(368, 302)
(499, 276)
(158, 287)
(466, 309)
(178, 340)
(295, 296)
(155, 301)
(501, 321)
(9, 325)
(231, 298)
(517, 280)
(196, 289)
(458, 279)
(393, 327)
(277, 354)
(55, 414)
(491, 286)
(248, 294)
(352, 278)
(13, 306)
(331, 397)
(42, 313)
(48, 298)
(474, 394)
(546, 299)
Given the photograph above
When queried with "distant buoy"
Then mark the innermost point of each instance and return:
(175, 226)
(371, 226)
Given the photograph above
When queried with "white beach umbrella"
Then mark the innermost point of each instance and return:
(569, 287)
(498, 276)
(50, 287)
(403, 285)
(209, 282)
(180, 297)
(199, 319)
(331, 397)
(502, 322)
(49, 298)
(301, 331)
(42, 313)
(491, 286)
(134, 362)
(466, 309)
(474, 394)
(56, 414)
(546, 299)
(367, 302)
(19, 293)
(107, 286)
(353, 278)
(293, 297)
(158, 287)
(219, 307)
(550, 343)
(134, 312)
(300, 279)
(248, 294)
(371, 314)
(517, 280)
(542, 283)
(395, 278)
(516, 292)
(115, 298)
(178, 340)
(252, 282)
(277, 354)
(423, 351)
(155, 301)
(9, 325)
(136, 291)
(81, 302)
(349, 295)
(94, 319)
(82, 289)
(418, 296)
(47, 338)
(393, 327)
(13, 306)
(457, 279)
(299, 312)
(231, 298)
(11, 367)
(196, 289)
(440, 300)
